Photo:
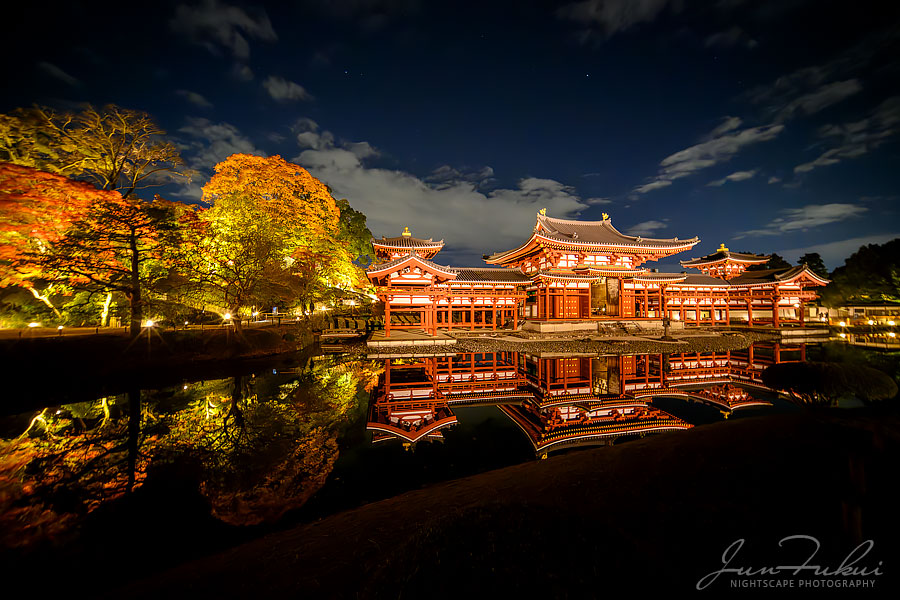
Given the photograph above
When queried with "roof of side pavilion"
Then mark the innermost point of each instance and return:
(591, 236)
(723, 254)
(406, 241)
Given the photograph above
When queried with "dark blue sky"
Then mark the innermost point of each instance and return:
(770, 126)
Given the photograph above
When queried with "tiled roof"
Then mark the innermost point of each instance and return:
(487, 275)
(721, 255)
(704, 280)
(407, 242)
(387, 266)
(601, 233)
(651, 277)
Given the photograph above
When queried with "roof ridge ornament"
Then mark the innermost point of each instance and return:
(543, 212)
(606, 216)
(406, 232)
(722, 248)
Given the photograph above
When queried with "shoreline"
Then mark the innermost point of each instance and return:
(707, 341)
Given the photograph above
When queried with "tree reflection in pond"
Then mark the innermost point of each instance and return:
(257, 455)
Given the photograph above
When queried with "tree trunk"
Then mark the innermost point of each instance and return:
(134, 431)
(137, 302)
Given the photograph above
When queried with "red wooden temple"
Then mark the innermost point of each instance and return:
(423, 295)
(572, 270)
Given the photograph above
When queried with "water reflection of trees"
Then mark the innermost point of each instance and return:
(259, 446)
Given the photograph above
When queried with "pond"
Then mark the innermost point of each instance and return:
(206, 464)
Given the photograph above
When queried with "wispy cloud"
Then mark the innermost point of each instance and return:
(194, 98)
(601, 19)
(852, 140)
(57, 73)
(736, 176)
(205, 144)
(735, 36)
(835, 253)
(450, 203)
(646, 227)
(716, 149)
(242, 72)
(222, 27)
(807, 217)
(819, 99)
(283, 90)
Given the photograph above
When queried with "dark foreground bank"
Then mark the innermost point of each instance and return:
(62, 370)
(650, 515)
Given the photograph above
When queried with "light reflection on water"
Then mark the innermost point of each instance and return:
(259, 446)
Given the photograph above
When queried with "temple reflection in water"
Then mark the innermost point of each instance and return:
(565, 400)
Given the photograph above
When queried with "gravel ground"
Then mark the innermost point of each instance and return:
(581, 343)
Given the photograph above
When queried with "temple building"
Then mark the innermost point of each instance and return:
(578, 268)
(573, 271)
(423, 295)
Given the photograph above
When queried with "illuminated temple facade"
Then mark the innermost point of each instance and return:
(572, 270)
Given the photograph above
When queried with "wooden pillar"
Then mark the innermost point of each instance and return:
(547, 302)
(494, 310)
(646, 301)
(387, 316)
(775, 300)
(565, 304)
(434, 324)
(750, 311)
(801, 312)
(472, 313)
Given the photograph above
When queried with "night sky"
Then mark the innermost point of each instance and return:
(770, 126)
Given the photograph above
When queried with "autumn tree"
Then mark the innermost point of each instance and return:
(37, 209)
(113, 147)
(118, 246)
(271, 234)
(60, 231)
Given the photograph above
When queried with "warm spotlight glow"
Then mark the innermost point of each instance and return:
(842, 324)
(891, 323)
(255, 314)
(33, 324)
(150, 323)
(184, 387)
(60, 327)
(843, 335)
(227, 316)
(796, 305)
(892, 334)
(185, 322)
(870, 322)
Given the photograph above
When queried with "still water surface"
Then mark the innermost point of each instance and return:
(288, 444)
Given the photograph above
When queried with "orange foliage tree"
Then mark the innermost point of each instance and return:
(37, 209)
(58, 230)
(271, 230)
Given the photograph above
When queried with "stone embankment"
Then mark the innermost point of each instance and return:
(536, 343)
